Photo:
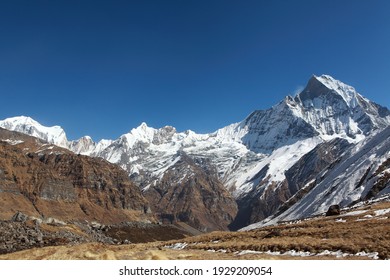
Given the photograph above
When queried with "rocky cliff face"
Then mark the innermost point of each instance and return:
(190, 194)
(43, 180)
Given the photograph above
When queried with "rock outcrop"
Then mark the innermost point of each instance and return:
(333, 210)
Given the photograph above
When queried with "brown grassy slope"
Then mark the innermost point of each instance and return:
(350, 234)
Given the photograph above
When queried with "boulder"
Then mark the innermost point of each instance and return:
(19, 217)
(54, 222)
(333, 210)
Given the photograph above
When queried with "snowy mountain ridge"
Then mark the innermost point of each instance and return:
(324, 110)
(248, 157)
(54, 135)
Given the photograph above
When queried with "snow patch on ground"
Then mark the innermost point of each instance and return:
(12, 142)
(354, 213)
(177, 246)
(215, 251)
(382, 212)
(293, 253)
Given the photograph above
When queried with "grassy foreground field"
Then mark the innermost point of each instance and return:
(361, 233)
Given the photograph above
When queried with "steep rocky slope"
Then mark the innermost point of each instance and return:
(42, 180)
(189, 194)
(359, 173)
(300, 179)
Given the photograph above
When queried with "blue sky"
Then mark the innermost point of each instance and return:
(100, 68)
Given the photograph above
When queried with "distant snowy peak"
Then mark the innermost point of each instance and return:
(15, 121)
(141, 133)
(84, 145)
(54, 135)
(146, 134)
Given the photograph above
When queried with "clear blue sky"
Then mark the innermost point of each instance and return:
(100, 68)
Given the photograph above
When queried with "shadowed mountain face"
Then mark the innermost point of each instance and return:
(43, 181)
(276, 127)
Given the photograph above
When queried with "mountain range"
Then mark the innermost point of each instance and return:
(326, 145)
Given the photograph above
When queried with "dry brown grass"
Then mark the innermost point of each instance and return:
(351, 234)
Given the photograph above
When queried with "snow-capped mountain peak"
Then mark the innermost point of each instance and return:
(327, 88)
(141, 133)
(21, 120)
(334, 108)
(54, 135)
(348, 93)
(82, 145)
(145, 134)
